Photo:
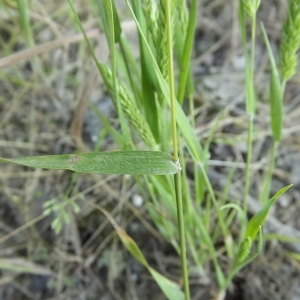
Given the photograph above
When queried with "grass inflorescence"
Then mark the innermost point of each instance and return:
(129, 107)
(290, 41)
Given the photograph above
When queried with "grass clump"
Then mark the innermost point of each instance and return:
(149, 102)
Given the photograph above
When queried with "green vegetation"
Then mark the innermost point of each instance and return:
(148, 95)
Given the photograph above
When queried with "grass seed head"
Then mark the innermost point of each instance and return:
(251, 7)
(290, 41)
(151, 13)
(129, 107)
(245, 249)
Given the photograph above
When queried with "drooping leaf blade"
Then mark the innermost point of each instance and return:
(115, 162)
(169, 288)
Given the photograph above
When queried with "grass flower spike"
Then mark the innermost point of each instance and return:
(290, 41)
(130, 108)
(250, 7)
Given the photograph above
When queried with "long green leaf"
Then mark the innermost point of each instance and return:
(116, 162)
(276, 95)
(25, 21)
(108, 15)
(258, 219)
(185, 70)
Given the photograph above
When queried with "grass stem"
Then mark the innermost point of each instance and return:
(177, 177)
(251, 112)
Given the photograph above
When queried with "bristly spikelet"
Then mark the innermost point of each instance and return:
(181, 20)
(151, 13)
(290, 41)
(251, 7)
(129, 107)
(245, 249)
(162, 41)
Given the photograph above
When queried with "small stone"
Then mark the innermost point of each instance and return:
(137, 200)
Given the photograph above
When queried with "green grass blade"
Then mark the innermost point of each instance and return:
(108, 15)
(259, 218)
(117, 162)
(207, 241)
(250, 94)
(187, 50)
(125, 130)
(241, 214)
(276, 114)
(276, 95)
(113, 35)
(276, 106)
(131, 69)
(118, 138)
(25, 21)
(166, 194)
(250, 97)
(117, 24)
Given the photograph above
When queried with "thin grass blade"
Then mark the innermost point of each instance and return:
(171, 290)
(276, 95)
(118, 138)
(186, 53)
(125, 130)
(25, 21)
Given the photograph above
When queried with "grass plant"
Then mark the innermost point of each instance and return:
(148, 96)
